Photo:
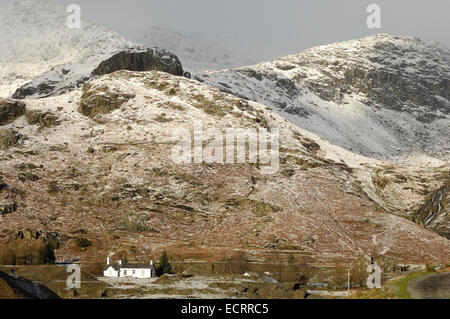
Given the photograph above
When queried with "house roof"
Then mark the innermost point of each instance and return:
(137, 266)
(117, 267)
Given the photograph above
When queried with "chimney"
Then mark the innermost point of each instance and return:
(107, 261)
(120, 262)
(151, 262)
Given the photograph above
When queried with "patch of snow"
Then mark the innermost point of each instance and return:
(286, 85)
(36, 40)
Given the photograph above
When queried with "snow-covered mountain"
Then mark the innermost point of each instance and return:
(100, 159)
(197, 51)
(96, 159)
(39, 53)
(36, 40)
(382, 96)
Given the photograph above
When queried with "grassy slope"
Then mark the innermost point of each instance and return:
(394, 289)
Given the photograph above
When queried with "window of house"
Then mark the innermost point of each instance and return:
(124, 272)
(134, 272)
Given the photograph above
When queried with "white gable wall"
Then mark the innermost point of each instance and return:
(111, 272)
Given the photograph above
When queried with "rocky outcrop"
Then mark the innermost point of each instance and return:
(8, 292)
(22, 288)
(391, 72)
(435, 213)
(8, 138)
(99, 99)
(41, 118)
(42, 89)
(61, 80)
(141, 60)
(10, 110)
(27, 235)
(7, 207)
(53, 238)
(55, 82)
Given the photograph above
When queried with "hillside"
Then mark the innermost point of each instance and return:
(361, 166)
(97, 163)
(382, 96)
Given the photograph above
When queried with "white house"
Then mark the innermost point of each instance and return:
(129, 270)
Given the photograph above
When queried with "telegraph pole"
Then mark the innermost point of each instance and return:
(348, 280)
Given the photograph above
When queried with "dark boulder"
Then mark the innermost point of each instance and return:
(10, 110)
(141, 60)
(43, 89)
(14, 287)
(8, 138)
(61, 80)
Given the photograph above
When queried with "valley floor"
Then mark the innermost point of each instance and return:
(413, 285)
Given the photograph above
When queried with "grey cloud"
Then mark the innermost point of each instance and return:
(272, 28)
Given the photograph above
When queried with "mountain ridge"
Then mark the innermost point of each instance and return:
(36, 41)
(111, 176)
(360, 94)
(95, 161)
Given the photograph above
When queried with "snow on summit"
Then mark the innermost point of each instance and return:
(382, 96)
(35, 39)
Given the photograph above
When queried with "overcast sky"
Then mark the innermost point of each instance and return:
(273, 27)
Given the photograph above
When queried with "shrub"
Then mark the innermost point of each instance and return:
(83, 243)
(46, 255)
(164, 266)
